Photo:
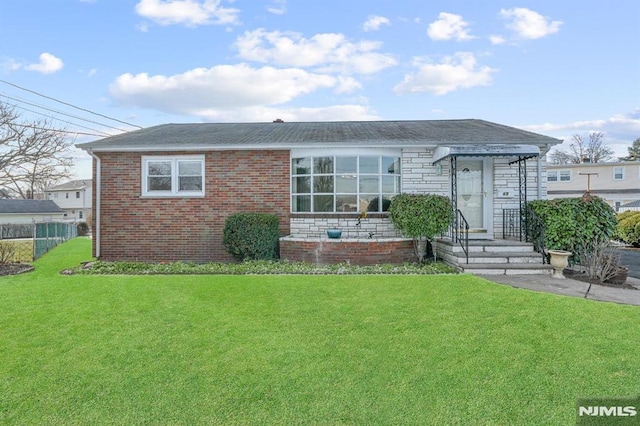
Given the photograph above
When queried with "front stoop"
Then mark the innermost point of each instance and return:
(493, 257)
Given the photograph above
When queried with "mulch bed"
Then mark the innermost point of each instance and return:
(574, 275)
(14, 268)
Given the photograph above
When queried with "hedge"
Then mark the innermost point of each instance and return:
(251, 236)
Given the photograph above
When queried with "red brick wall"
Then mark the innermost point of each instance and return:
(364, 252)
(190, 229)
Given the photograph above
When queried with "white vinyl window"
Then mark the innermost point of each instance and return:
(173, 176)
(559, 176)
(618, 173)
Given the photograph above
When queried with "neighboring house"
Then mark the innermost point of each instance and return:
(163, 193)
(74, 197)
(616, 183)
(633, 206)
(29, 211)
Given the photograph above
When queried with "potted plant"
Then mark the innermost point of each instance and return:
(334, 233)
(559, 259)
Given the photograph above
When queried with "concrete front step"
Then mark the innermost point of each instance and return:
(494, 257)
(497, 257)
(507, 269)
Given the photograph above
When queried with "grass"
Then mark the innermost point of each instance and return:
(294, 349)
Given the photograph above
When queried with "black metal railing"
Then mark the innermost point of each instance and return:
(459, 232)
(525, 225)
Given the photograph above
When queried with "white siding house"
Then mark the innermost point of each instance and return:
(73, 197)
(616, 183)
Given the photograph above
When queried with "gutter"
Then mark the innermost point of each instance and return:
(98, 201)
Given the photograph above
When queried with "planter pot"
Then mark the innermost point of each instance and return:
(334, 233)
(559, 260)
(620, 277)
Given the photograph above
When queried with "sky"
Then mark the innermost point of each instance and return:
(102, 67)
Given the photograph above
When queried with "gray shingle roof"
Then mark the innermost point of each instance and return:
(635, 203)
(316, 134)
(28, 206)
(71, 185)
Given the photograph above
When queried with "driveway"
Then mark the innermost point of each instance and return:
(631, 259)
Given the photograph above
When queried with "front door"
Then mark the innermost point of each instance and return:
(474, 195)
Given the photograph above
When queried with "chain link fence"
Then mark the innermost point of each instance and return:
(28, 242)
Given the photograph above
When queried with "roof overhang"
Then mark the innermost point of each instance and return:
(485, 150)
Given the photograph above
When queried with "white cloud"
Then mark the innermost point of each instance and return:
(328, 51)
(529, 24)
(496, 39)
(460, 71)
(374, 23)
(222, 87)
(48, 64)
(10, 64)
(347, 112)
(620, 130)
(277, 7)
(188, 12)
(449, 26)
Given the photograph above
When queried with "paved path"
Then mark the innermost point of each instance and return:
(569, 287)
(630, 257)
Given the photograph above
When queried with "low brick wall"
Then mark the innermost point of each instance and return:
(326, 251)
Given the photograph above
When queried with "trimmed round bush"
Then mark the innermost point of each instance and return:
(574, 223)
(251, 236)
(628, 229)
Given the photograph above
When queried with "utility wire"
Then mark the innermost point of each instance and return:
(64, 121)
(57, 130)
(68, 104)
(61, 113)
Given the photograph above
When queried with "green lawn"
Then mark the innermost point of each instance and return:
(368, 349)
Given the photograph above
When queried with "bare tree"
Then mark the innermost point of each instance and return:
(582, 151)
(33, 155)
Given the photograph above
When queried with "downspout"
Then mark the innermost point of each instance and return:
(97, 218)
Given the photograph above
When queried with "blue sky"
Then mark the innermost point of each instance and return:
(554, 67)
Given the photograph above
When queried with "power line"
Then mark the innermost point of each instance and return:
(61, 113)
(57, 130)
(68, 104)
(64, 121)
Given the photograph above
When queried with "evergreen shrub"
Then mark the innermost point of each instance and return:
(251, 236)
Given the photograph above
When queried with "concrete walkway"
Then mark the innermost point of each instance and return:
(570, 287)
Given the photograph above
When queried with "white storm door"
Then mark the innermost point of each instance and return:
(474, 187)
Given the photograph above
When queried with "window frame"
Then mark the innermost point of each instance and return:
(174, 192)
(621, 168)
(337, 174)
(558, 176)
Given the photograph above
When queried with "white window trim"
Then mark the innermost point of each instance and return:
(614, 173)
(558, 175)
(174, 176)
(301, 153)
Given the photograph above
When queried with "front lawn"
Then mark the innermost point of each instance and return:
(294, 349)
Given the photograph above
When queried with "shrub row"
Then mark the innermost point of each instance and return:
(256, 267)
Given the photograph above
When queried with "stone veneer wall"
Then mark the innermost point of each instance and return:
(316, 226)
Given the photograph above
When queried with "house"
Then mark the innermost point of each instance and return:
(616, 183)
(74, 197)
(163, 193)
(29, 211)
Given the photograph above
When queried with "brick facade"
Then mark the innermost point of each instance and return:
(190, 229)
(325, 251)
